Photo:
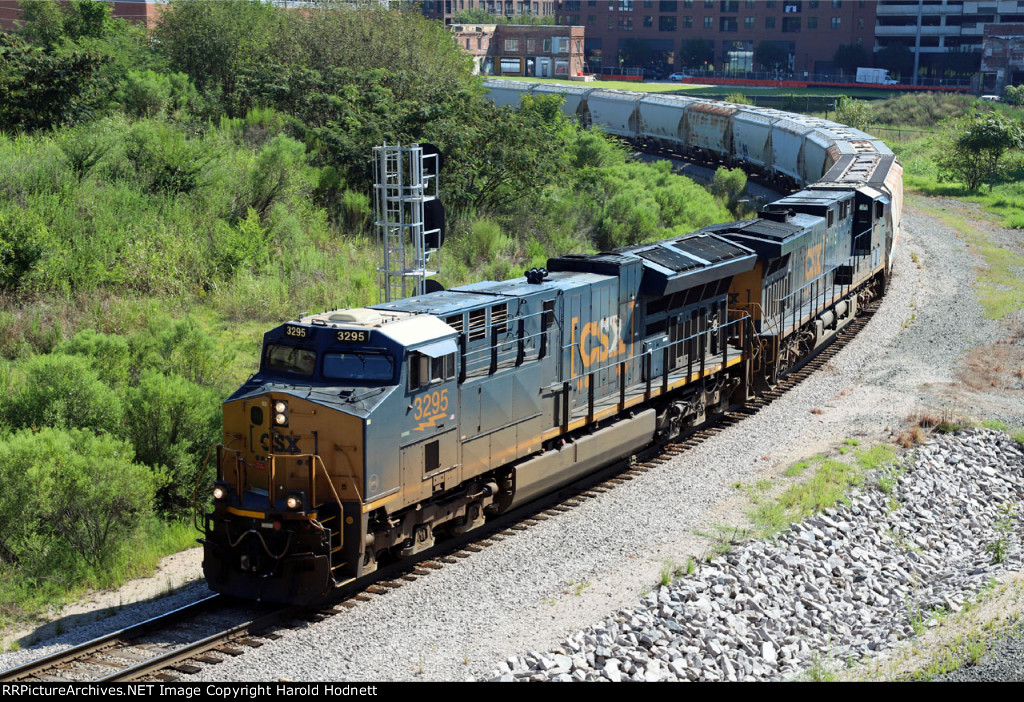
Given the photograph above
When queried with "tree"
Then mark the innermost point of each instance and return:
(771, 55)
(975, 147)
(1015, 94)
(849, 57)
(696, 52)
(853, 113)
(729, 184)
(636, 52)
(42, 90)
(897, 58)
(213, 41)
(43, 22)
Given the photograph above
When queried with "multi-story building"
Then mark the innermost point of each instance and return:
(805, 33)
(1002, 56)
(942, 35)
(545, 51)
(445, 10)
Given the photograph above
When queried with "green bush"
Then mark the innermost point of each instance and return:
(109, 355)
(58, 390)
(729, 184)
(853, 113)
(166, 158)
(148, 93)
(244, 245)
(21, 246)
(70, 498)
(171, 424)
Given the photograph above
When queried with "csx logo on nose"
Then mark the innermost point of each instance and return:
(282, 443)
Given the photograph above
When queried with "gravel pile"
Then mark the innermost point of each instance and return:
(848, 581)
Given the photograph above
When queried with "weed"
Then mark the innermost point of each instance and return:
(668, 569)
(1004, 528)
(820, 670)
(975, 650)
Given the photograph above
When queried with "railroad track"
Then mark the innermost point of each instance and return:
(156, 649)
(160, 647)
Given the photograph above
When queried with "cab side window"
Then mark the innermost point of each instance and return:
(424, 370)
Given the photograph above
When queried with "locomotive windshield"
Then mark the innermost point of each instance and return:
(290, 359)
(359, 367)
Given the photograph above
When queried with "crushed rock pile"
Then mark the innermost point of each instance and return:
(843, 583)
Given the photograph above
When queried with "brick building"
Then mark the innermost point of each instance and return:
(1002, 56)
(808, 31)
(545, 51)
(445, 10)
(140, 11)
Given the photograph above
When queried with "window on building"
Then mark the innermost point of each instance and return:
(531, 45)
(769, 23)
(709, 4)
(751, 4)
(729, 5)
(837, 4)
(666, 24)
(591, 20)
(790, 24)
(836, 22)
(511, 45)
(546, 44)
(687, 3)
(860, 23)
(648, 4)
(812, 4)
(792, 6)
(812, 22)
(625, 23)
(625, 5)
(667, 5)
(648, 21)
(688, 22)
(709, 23)
(511, 66)
(727, 24)
(748, 22)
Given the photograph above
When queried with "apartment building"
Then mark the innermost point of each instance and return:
(544, 51)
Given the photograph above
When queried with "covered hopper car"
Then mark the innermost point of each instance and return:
(367, 433)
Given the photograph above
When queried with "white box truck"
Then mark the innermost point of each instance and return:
(875, 76)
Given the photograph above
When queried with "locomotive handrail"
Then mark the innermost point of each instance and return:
(195, 488)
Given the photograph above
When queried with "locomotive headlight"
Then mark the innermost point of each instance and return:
(281, 413)
(294, 500)
(222, 491)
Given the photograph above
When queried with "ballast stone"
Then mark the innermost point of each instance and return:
(846, 581)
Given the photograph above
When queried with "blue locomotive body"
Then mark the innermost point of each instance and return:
(367, 433)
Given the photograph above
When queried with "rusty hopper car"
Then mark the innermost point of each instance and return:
(368, 433)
